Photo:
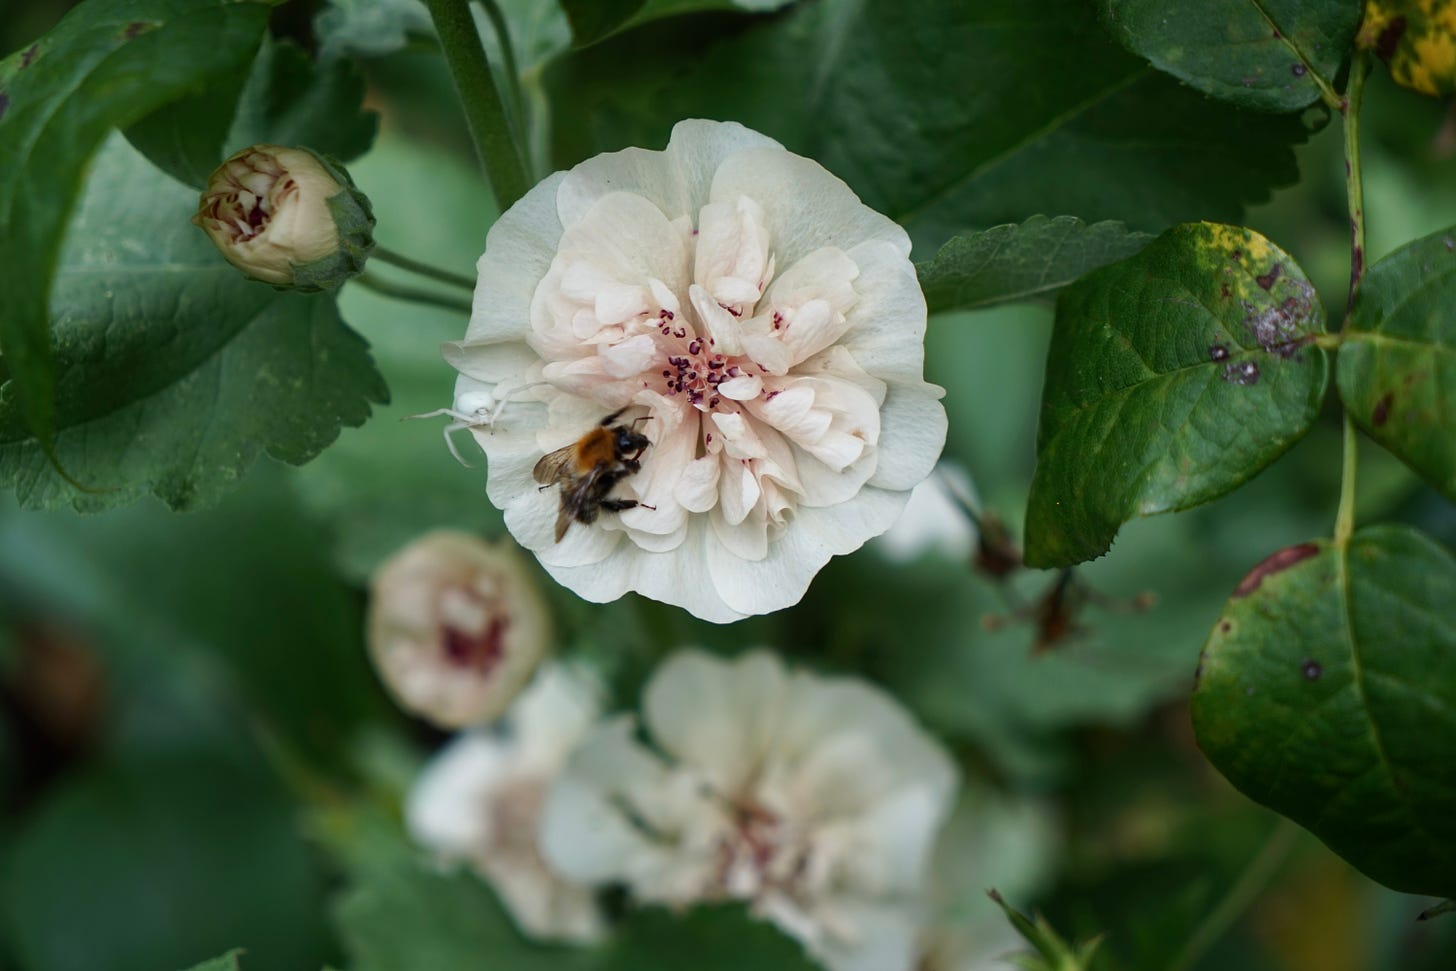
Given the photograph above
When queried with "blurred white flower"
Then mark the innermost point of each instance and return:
(816, 799)
(767, 326)
(934, 519)
(480, 802)
(455, 627)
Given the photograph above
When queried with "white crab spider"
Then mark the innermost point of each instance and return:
(476, 409)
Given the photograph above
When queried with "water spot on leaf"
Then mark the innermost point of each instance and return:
(1449, 243)
(1226, 626)
(1274, 563)
(1267, 280)
(1218, 352)
(1311, 669)
(1299, 70)
(1243, 373)
(1381, 414)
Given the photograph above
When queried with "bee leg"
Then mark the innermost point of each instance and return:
(610, 419)
(620, 505)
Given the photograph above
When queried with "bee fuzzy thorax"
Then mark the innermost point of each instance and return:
(596, 447)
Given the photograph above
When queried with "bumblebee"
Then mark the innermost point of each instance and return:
(588, 469)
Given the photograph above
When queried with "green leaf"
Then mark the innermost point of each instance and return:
(1396, 369)
(1417, 39)
(162, 859)
(371, 28)
(407, 918)
(187, 139)
(1261, 54)
(224, 962)
(176, 373)
(108, 64)
(1052, 952)
(1010, 263)
(595, 20)
(962, 116)
(293, 100)
(1327, 692)
(1173, 377)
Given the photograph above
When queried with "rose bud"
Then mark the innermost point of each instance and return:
(288, 217)
(455, 628)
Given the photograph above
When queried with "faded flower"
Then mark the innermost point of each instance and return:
(480, 802)
(815, 799)
(288, 217)
(752, 320)
(455, 627)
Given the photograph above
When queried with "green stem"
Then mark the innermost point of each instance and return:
(1354, 92)
(386, 289)
(1345, 517)
(1350, 108)
(1246, 889)
(423, 269)
(485, 115)
(515, 104)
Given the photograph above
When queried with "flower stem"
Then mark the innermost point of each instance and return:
(485, 115)
(1350, 109)
(423, 269)
(386, 289)
(1246, 889)
(516, 107)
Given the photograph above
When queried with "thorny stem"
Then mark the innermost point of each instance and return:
(1359, 67)
(485, 115)
(386, 289)
(516, 107)
(1246, 889)
(423, 269)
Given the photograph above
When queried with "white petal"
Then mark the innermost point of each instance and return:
(518, 251)
(631, 356)
(887, 322)
(912, 435)
(805, 208)
(447, 808)
(718, 323)
(713, 715)
(697, 487)
(677, 180)
(745, 387)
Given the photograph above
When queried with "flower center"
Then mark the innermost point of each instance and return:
(697, 372)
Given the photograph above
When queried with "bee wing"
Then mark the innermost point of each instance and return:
(552, 467)
(577, 502)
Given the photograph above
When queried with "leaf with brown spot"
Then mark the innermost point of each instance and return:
(1397, 364)
(1173, 377)
(1328, 693)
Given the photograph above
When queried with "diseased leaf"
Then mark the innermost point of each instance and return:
(107, 64)
(291, 99)
(1396, 369)
(176, 373)
(1009, 263)
(1173, 377)
(1416, 39)
(960, 117)
(1261, 54)
(1327, 692)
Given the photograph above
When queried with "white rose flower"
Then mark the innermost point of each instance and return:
(480, 802)
(455, 627)
(763, 329)
(815, 799)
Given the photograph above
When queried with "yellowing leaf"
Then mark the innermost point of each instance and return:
(1416, 39)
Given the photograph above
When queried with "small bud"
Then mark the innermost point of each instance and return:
(288, 217)
(455, 628)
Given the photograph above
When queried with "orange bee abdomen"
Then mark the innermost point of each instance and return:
(595, 448)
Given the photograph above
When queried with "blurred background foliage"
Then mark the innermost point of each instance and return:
(195, 755)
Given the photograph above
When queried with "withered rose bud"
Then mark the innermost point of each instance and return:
(287, 216)
(455, 627)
